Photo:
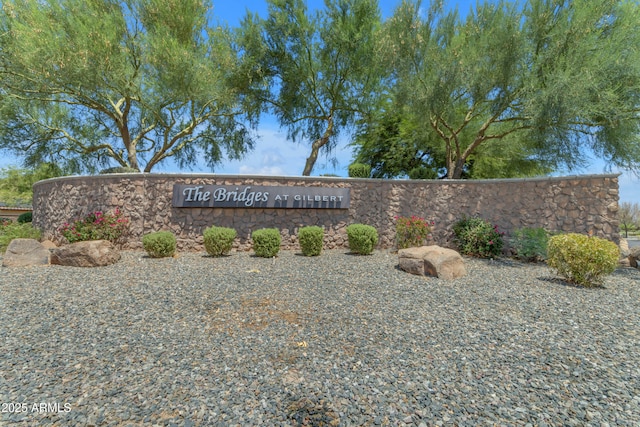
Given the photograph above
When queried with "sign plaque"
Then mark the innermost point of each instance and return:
(259, 196)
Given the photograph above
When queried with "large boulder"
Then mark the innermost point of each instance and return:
(25, 252)
(432, 261)
(92, 253)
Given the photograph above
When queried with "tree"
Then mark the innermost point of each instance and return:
(549, 80)
(395, 143)
(629, 217)
(16, 185)
(135, 82)
(315, 72)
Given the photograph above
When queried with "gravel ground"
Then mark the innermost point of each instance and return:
(337, 340)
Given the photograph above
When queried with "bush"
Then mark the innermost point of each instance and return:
(119, 169)
(477, 237)
(12, 231)
(311, 240)
(411, 232)
(25, 217)
(581, 259)
(266, 242)
(530, 244)
(362, 238)
(359, 170)
(96, 226)
(218, 241)
(5, 221)
(159, 244)
(422, 172)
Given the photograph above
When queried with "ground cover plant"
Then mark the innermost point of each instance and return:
(96, 225)
(412, 231)
(266, 242)
(160, 244)
(362, 238)
(311, 238)
(12, 230)
(478, 237)
(581, 259)
(218, 241)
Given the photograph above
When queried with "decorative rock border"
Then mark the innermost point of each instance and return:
(571, 204)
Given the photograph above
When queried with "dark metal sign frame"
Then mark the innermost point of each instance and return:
(259, 196)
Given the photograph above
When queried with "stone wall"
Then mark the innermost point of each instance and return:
(579, 204)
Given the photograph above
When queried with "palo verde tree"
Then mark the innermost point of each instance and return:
(316, 72)
(91, 83)
(558, 78)
(397, 144)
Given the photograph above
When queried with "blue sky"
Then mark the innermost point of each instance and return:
(274, 154)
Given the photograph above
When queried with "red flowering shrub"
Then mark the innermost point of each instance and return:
(96, 226)
(412, 232)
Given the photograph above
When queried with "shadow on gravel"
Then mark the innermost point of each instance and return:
(312, 412)
(558, 281)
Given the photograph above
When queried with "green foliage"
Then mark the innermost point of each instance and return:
(266, 242)
(11, 231)
(422, 172)
(96, 226)
(509, 88)
(25, 217)
(218, 241)
(119, 169)
(412, 232)
(362, 238)
(131, 83)
(581, 259)
(5, 221)
(160, 244)
(629, 217)
(477, 237)
(359, 170)
(311, 239)
(316, 72)
(530, 244)
(16, 185)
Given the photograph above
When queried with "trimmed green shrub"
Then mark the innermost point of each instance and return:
(311, 240)
(530, 244)
(266, 242)
(581, 259)
(218, 241)
(160, 244)
(359, 170)
(14, 230)
(477, 237)
(25, 217)
(362, 238)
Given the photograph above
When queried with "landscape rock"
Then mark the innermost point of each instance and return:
(92, 253)
(634, 256)
(25, 252)
(433, 261)
(48, 244)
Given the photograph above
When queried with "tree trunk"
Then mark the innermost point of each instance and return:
(316, 146)
(454, 171)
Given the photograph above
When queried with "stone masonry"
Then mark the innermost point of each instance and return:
(579, 204)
